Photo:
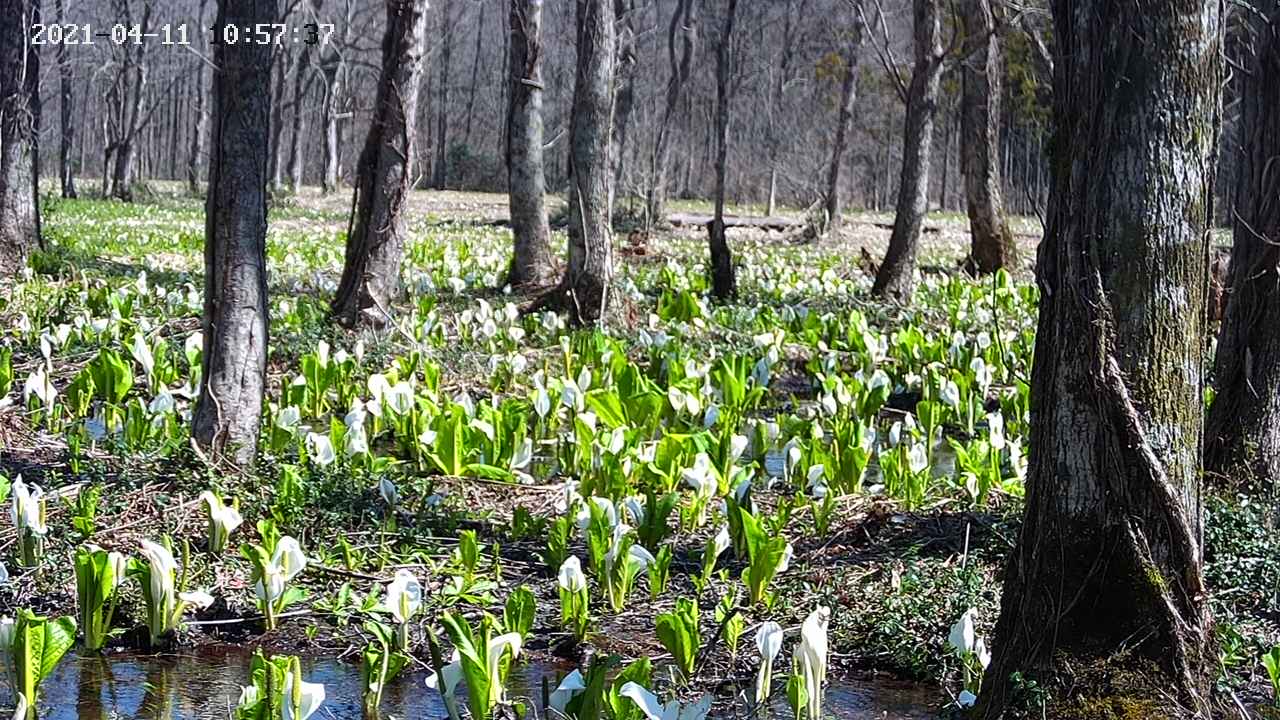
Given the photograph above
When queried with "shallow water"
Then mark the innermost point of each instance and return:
(205, 686)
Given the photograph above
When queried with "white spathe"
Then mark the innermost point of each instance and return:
(404, 596)
(769, 644)
(312, 697)
(812, 655)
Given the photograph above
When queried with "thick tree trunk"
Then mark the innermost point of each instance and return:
(375, 245)
(682, 33)
(1109, 558)
(440, 177)
(66, 94)
(531, 261)
(992, 242)
(233, 370)
(723, 283)
(301, 74)
(1242, 436)
(848, 95)
(584, 290)
(19, 213)
(896, 279)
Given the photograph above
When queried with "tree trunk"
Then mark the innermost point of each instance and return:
(233, 370)
(66, 94)
(584, 290)
(375, 245)
(625, 11)
(135, 85)
(848, 95)
(279, 60)
(197, 134)
(992, 241)
(531, 261)
(19, 224)
(683, 32)
(440, 177)
(302, 72)
(1109, 557)
(896, 279)
(475, 75)
(723, 283)
(1242, 446)
(330, 68)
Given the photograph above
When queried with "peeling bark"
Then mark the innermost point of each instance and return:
(375, 244)
(1109, 557)
(227, 416)
(1242, 437)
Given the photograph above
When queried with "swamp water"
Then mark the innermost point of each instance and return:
(206, 685)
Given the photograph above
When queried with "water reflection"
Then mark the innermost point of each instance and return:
(205, 686)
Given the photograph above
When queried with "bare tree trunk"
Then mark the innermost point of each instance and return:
(1109, 558)
(197, 134)
(584, 290)
(1242, 444)
(682, 32)
(301, 75)
(848, 95)
(625, 11)
(375, 245)
(279, 60)
(723, 283)
(777, 103)
(896, 279)
(531, 261)
(329, 178)
(19, 210)
(475, 74)
(233, 369)
(440, 178)
(66, 94)
(992, 245)
(135, 86)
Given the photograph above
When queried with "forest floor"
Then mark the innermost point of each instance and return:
(898, 550)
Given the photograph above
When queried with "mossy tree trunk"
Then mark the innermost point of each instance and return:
(896, 279)
(1109, 558)
(531, 262)
(723, 283)
(234, 364)
(375, 244)
(992, 246)
(584, 291)
(1242, 437)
